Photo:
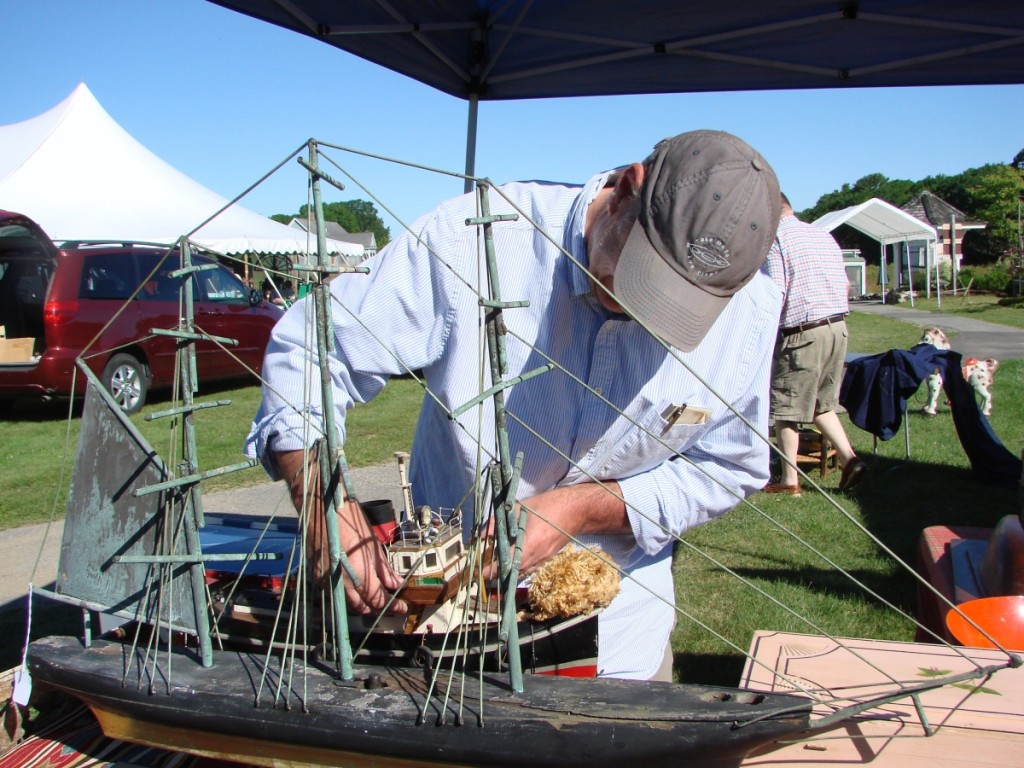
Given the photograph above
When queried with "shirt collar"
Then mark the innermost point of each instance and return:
(573, 238)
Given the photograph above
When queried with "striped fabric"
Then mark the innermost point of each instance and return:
(75, 740)
(419, 310)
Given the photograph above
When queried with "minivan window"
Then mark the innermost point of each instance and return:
(161, 286)
(16, 230)
(221, 285)
(108, 276)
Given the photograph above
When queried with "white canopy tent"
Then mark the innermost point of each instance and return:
(888, 225)
(81, 176)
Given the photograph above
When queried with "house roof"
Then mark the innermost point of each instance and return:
(335, 231)
(931, 208)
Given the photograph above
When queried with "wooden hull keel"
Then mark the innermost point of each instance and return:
(389, 716)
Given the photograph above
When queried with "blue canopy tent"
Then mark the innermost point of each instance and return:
(482, 50)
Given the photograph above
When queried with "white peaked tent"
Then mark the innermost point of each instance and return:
(81, 176)
(888, 225)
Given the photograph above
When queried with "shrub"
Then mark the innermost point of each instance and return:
(993, 278)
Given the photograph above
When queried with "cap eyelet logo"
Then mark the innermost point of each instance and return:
(708, 255)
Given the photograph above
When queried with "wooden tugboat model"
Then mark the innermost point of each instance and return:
(234, 654)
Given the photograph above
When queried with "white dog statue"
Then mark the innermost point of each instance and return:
(978, 373)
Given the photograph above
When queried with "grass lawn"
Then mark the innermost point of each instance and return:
(40, 443)
(897, 500)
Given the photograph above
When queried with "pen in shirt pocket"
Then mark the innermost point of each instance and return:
(675, 415)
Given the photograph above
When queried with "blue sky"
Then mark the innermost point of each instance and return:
(224, 98)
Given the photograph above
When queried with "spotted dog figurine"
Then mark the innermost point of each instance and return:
(978, 373)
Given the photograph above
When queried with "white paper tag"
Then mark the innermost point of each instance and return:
(22, 687)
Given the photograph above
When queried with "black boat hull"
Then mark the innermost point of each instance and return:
(393, 716)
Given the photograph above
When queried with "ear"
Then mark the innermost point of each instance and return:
(627, 186)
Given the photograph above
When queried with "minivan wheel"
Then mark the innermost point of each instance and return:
(125, 379)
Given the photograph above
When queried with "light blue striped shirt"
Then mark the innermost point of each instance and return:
(424, 312)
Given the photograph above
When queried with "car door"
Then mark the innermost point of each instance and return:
(159, 299)
(225, 310)
(105, 319)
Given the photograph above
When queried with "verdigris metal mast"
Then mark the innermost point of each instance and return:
(506, 472)
(334, 474)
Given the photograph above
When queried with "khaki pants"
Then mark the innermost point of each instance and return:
(664, 673)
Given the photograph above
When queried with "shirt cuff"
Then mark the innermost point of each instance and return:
(645, 506)
(279, 432)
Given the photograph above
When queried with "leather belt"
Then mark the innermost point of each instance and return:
(813, 324)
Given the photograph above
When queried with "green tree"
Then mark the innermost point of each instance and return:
(989, 193)
(895, 191)
(355, 216)
(992, 193)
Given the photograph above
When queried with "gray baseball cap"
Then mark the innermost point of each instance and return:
(709, 211)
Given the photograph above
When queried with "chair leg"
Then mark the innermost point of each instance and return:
(823, 458)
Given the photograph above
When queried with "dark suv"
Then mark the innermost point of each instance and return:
(62, 298)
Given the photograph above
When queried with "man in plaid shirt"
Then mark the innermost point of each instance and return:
(807, 265)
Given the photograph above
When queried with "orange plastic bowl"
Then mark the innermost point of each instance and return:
(1000, 617)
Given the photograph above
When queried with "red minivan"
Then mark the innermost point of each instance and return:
(77, 296)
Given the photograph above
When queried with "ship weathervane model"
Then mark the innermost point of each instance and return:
(235, 652)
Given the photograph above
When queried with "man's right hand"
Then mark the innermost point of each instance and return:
(365, 553)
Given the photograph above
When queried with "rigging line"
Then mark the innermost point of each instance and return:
(710, 558)
(163, 580)
(57, 495)
(432, 253)
(484, 594)
(226, 350)
(745, 501)
(478, 293)
(289, 651)
(739, 498)
(180, 504)
(141, 617)
(462, 640)
(396, 161)
(479, 600)
(298, 612)
(236, 582)
(863, 706)
(284, 643)
(390, 601)
(127, 303)
(250, 188)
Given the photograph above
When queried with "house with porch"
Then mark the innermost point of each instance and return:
(950, 223)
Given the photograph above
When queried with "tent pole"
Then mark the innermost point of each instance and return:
(910, 272)
(928, 258)
(474, 108)
(881, 268)
(897, 263)
(952, 250)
